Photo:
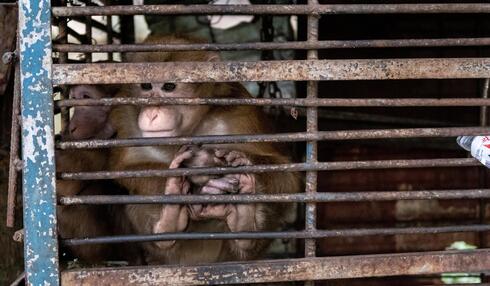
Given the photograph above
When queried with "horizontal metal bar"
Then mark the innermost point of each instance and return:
(281, 198)
(299, 45)
(266, 271)
(304, 102)
(294, 167)
(271, 9)
(283, 137)
(276, 234)
(287, 70)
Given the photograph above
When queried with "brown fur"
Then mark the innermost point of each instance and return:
(213, 120)
(91, 220)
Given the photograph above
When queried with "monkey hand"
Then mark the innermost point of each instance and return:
(239, 217)
(174, 218)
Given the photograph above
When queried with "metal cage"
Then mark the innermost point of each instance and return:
(38, 74)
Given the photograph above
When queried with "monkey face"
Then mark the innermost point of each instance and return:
(168, 120)
(88, 121)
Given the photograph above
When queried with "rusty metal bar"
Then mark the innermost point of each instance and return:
(308, 234)
(280, 198)
(282, 137)
(88, 37)
(292, 167)
(483, 109)
(300, 70)
(304, 102)
(266, 271)
(272, 9)
(482, 173)
(299, 45)
(110, 38)
(63, 58)
(311, 145)
(14, 159)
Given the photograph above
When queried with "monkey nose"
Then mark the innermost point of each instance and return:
(152, 116)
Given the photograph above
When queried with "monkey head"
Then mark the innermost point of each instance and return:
(90, 121)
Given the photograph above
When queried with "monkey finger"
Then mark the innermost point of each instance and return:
(221, 153)
(236, 158)
(181, 157)
(218, 211)
(208, 190)
(195, 211)
(226, 184)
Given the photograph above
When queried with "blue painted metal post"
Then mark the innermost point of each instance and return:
(40, 243)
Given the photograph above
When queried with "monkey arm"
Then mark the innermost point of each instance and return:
(254, 217)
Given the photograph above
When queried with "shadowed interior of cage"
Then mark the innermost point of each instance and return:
(311, 70)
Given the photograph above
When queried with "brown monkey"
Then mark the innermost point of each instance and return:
(90, 220)
(163, 121)
(90, 121)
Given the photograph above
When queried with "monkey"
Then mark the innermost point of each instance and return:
(90, 220)
(165, 121)
(90, 121)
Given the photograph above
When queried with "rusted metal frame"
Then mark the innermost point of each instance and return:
(304, 102)
(39, 173)
(95, 25)
(14, 160)
(483, 108)
(483, 175)
(311, 183)
(88, 36)
(292, 70)
(299, 45)
(272, 9)
(282, 137)
(280, 198)
(267, 271)
(110, 37)
(63, 58)
(292, 167)
(307, 234)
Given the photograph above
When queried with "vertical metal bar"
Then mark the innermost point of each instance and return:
(63, 58)
(127, 28)
(88, 37)
(110, 37)
(39, 184)
(14, 149)
(483, 109)
(311, 146)
(483, 172)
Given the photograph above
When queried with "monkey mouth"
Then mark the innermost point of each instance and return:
(159, 133)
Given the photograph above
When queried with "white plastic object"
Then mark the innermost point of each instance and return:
(479, 146)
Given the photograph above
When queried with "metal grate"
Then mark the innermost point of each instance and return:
(39, 74)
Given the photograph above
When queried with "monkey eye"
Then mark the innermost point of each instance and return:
(168, 86)
(146, 86)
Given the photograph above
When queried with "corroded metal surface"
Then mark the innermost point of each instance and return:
(305, 102)
(40, 245)
(330, 166)
(283, 137)
(286, 270)
(14, 150)
(280, 198)
(271, 70)
(307, 234)
(311, 181)
(299, 45)
(272, 9)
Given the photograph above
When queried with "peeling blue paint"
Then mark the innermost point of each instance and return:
(40, 243)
